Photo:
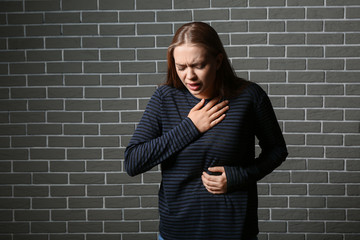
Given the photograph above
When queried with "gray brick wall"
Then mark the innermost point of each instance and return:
(75, 77)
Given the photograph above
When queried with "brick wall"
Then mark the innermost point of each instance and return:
(75, 77)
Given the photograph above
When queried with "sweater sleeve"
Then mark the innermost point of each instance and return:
(271, 142)
(149, 145)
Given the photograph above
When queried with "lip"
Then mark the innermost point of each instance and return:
(194, 86)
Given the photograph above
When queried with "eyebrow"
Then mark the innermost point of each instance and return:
(191, 65)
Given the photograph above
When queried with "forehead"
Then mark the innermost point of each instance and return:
(185, 54)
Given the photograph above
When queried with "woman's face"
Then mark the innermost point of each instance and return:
(197, 69)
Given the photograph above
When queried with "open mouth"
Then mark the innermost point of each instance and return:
(194, 86)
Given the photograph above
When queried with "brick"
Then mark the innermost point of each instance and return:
(352, 38)
(342, 26)
(67, 236)
(324, 114)
(122, 227)
(25, 18)
(288, 189)
(304, 26)
(12, 130)
(287, 89)
(14, 227)
(82, 80)
(216, 14)
(12, 56)
(137, 190)
(81, 55)
(99, 17)
(138, 67)
(13, 154)
(287, 13)
(11, 6)
(43, 30)
(103, 166)
(340, 127)
(122, 202)
(134, 42)
(105, 215)
(266, 26)
(162, 4)
(79, 5)
(304, 52)
(343, 202)
(228, 3)
(286, 38)
(309, 177)
(251, 13)
(173, 15)
(5, 167)
(121, 178)
(352, 64)
(269, 202)
(143, 214)
(64, 67)
(82, 105)
(102, 92)
(325, 189)
(289, 214)
(326, 214)
(117, 55)
(269, 226)
(48, 203)
(342, 152)
(84, 29)
(319, 164)
(15, 203)
(85, 202)
(131, 116)
(76, 227)
(80, 129)
(263, 3)
(28, 142)
(6, 215)
(287, 64)
(50, 178)
(11, 31)
(307, 202)
(306, 152)
(101, 117)
(31, 191)
(104, 190)
(116, 5)
(63, 17)
(266, 52)
(188, 4)
(27, 68)
(78, 154)
(352, 12)
(344, 51)
(12, 81)
(12, 105)
(64, 117)
(118, 104)
(44, 55)
(18, 178)
(336, 102)
(325, 13)
(67, 166)
(352, 140)
(341, 227)
(325, 64)
(250, 64)
(344, 177)
(22, 117)
(42, 6)
(154, 29)
(64, 191)
(65, 141)
(306, 227)
(68, 215)
(302, 102)
(132, 17)
(324, 140)
(342, 77)
(63, 42)
(117, 29)
(47, 154)
(48, 227)
(28, 92)
(325, 38)
(277, 177)
(248, 39)
(101, 67)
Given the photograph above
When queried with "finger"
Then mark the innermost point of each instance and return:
(216, 169)
(211, 104)
(217, 120)
(219, 107)
(199, 105)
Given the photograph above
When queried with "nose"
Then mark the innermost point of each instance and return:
(191, 74)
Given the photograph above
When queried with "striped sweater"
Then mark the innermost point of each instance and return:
(166, 136)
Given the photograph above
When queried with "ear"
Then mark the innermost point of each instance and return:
(219, 59)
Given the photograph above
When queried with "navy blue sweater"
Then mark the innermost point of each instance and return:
(166, 136)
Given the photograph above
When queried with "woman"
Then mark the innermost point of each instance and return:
(201, 127)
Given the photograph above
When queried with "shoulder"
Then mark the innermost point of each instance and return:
(165, 91)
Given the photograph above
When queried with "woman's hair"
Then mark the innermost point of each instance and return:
(227, 84)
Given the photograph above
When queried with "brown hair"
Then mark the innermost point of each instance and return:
(201, 34)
